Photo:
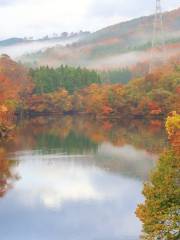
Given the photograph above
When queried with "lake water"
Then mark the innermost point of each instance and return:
(75, 178)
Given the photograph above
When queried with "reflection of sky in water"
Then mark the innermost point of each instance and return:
(72, 198)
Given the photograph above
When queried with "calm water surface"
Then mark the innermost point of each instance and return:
(73, 179)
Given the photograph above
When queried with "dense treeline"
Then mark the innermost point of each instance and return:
(156, 94)
(116, 76)
(48, 80)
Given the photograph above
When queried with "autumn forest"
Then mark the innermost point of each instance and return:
(90, 132)
(68, 90)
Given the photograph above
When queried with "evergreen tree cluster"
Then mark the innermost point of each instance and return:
(48, 80)
(117, 76)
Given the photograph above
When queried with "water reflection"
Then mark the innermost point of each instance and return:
(7, 177)
(79, 134)
(126, 160)
(77, 179)
(71, 199)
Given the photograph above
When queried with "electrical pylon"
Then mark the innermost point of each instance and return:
(158, 51)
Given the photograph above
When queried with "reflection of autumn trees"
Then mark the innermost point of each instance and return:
(137, 133)
(7, 177)
(81, 132)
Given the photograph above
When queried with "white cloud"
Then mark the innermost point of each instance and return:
(56, 183)
(39, 17)
(128, 8)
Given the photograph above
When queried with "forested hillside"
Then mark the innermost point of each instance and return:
(119, 45)
(136, 32)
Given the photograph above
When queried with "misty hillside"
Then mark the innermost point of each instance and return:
(138, 31)
(123, 43)
(12, 41)
(16, 47)
(64, 36)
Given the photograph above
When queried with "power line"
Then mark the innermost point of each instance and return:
(158, 51)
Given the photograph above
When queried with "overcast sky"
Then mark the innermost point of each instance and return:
(41, 17)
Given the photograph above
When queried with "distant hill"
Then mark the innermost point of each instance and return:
(116, 45)
(63, 36)
(11, 41)
(15, 47)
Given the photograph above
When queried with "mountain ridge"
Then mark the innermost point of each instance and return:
(131, 36)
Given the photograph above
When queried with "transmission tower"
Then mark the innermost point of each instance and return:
(158, 51)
